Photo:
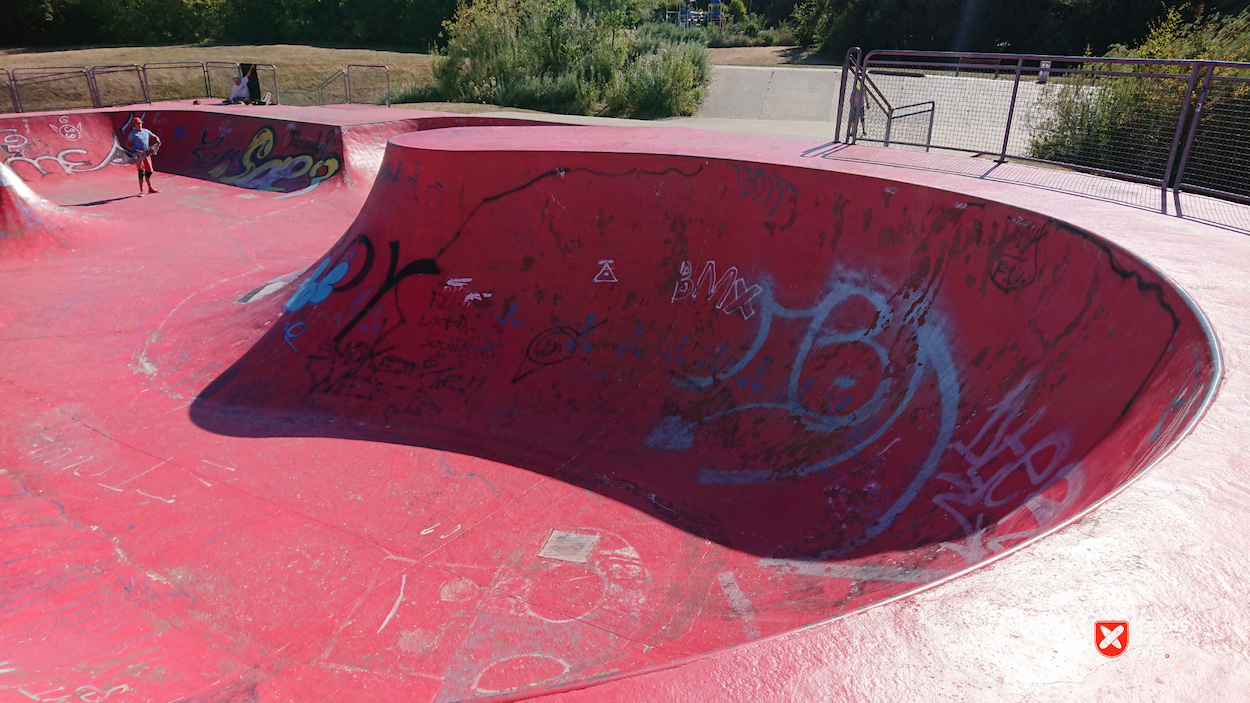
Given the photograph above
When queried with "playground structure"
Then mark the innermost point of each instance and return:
(690, 16)
(380, 404)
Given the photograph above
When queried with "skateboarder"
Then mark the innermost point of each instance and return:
(144, 144)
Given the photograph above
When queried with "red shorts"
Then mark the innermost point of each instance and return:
(145, 164)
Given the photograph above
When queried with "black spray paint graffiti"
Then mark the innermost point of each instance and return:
(552, 346)
(1017, 265)
(379, 371)
(766, 187)
(393, 278)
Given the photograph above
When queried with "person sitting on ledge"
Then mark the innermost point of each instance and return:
(239, 93)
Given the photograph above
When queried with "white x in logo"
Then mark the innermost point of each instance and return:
(1111, 637)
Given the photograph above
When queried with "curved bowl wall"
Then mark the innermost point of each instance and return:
(874, 382)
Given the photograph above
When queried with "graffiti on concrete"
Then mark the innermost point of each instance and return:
(262, 165)
(20, 149)
(735, 294)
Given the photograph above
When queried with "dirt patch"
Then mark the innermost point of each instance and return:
(768, 56)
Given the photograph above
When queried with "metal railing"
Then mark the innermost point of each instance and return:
(225, 67)
(70, 87)
(60, 83)
(273, 76)
(8, 89)
(1216, 154)
(104, 72)
(366, 68)
(317, 95)
(176, 80)
(1182, 125)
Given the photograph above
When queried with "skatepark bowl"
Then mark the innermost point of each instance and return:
(378, 404)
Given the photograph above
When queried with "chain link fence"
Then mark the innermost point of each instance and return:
(1182, 125)
(1217, 150)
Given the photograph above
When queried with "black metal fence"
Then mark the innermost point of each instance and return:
(1173, 124)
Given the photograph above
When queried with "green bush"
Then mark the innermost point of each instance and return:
(1127, 124)
(548, 55)
(722, 37)
(667, 82)
(656, 33)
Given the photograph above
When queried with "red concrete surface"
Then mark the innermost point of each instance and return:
(268, 439)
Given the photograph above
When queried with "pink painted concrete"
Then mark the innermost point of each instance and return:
(219, 500)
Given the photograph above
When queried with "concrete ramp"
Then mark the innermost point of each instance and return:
(523, 410)
(844, 388)
(756, 93)
(28, 222)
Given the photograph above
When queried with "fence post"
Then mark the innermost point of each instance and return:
(1186, 98)
(1011, 111)
(1193, 132)
(93, 89)
(837, 125)
(928, 140)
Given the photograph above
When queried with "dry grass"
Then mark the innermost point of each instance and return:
(297, 66)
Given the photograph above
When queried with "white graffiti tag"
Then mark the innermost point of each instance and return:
(1042, 463)
(870, 420)
(17, 146)
(735, 294)
(67, 131)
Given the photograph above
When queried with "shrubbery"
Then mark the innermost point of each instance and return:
(1127, 124)
(548, 55)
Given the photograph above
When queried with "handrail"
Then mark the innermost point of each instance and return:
(369, 68)
(889, 123)
(318, 93)
(1046, 57)
(846, 65)
(321, 98)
